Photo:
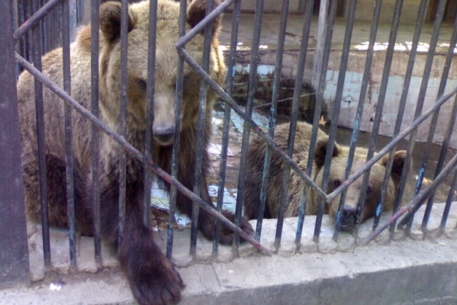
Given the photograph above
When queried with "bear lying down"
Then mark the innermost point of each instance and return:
(340, 153)
(152, 277)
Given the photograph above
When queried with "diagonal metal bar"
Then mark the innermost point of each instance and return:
(35, 18)
(136, 153)
(253, 125)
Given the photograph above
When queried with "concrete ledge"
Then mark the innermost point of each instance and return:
(402, 270)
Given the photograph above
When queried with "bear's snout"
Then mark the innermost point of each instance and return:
(348, 218)
(164, 135)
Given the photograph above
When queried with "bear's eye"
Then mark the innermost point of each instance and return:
(142, 84)
(336, 183)
(369, 189)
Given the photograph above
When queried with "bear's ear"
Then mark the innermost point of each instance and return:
(399, 162)
(321, 152)
(197, 11)
(110, 20)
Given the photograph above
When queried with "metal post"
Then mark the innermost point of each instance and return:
(14, 262)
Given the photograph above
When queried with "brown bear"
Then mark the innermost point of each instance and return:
(151, 275)
(340, 153)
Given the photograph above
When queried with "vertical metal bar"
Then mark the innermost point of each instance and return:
(363, 90)
(273, 113)
(321, 32)
(317, 113)
(449, 201)
(404, 95)
(73, 22)
(95, 136)
(248, 110)
(337, 104)
(444, 77)
(203, 94)
(150, 107)
(123, 117)
(320, 97)
(177, 138)
(379, 107)
(37, 53)
(227, 114)
(421, 99)
(14, 262)
(69, 167)
(291, 139)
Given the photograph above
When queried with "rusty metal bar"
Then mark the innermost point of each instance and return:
(69, 166)
(379, 110)
(272, 119)
(150, 107)
(203, 95)
(177, 137)
(317, 113)
(226, 126)
(337, 105)
(123, 117)
(320, 99)
(95, 136)
(37, 53)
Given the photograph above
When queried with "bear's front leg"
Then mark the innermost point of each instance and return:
(152, 277)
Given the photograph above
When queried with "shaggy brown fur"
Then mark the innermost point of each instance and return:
(152, 277)
(300, 156)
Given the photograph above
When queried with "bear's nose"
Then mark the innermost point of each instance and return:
(164, 135)
(348, 218)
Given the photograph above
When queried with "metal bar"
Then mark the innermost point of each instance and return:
(150, 107)
(123, 118)
(379, 109)
(37, 53)
(404, 95)
(248, 110)
(449, 201)
(203, 95)
(95, 136)
(226, 126)
(317, 114)
(320, 98)
(14, 261)
(177, 137)
(35, 18)
(443, 82)
(272, 120)
(421, 96)
(137, 154)
(337, 105)
(69, 166)
(363, 92)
